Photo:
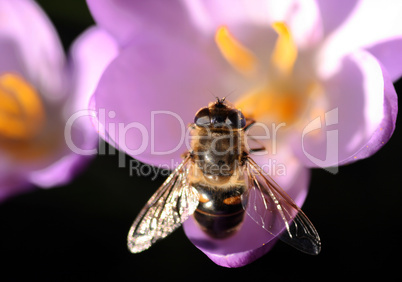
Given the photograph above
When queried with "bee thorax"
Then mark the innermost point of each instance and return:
(217, 154)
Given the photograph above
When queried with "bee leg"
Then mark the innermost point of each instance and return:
(253, 150)
(259, 146)
(185, 154)
(249, 123)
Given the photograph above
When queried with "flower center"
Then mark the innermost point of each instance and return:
(21, 110)
(22, 118)
(281, 97)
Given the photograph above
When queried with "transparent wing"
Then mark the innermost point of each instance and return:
(269, 206)
(165, 211)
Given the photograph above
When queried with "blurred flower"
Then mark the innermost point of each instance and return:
(320, 71)
(39, 91)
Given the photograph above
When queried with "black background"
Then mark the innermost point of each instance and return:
(78, 232)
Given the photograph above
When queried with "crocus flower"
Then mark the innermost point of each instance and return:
(39, 92)
(320, 71)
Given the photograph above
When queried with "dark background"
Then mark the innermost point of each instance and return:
(78, 232)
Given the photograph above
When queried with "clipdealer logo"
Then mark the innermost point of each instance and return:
(118, 131)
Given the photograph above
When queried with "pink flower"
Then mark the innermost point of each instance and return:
(39, 91)
(320, 71)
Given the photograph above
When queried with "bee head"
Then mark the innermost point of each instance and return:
(220, 114)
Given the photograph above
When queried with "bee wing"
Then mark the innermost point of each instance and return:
(165, 211)
(269, 206)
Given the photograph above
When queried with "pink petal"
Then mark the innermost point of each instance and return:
(389, 54)
(387, 126)
(305, 23)
(30, 47)
(151, 92)
(125, 19)
(59, 172)
(334, 13)
(91, 53)
(41, 54)
(207, 15)
(10, 57)
(369, 23)
(360, 115)
(251, 241)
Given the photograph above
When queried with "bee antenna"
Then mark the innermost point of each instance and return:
(230, 93)
(212, 93)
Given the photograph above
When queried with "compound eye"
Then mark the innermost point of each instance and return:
(236, 119)
(202, 117)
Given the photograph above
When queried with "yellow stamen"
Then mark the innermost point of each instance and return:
(24, 132)
(285, 52)
(21, 110)
(234, 52)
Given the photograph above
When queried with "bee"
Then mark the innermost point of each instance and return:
(218, 183)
